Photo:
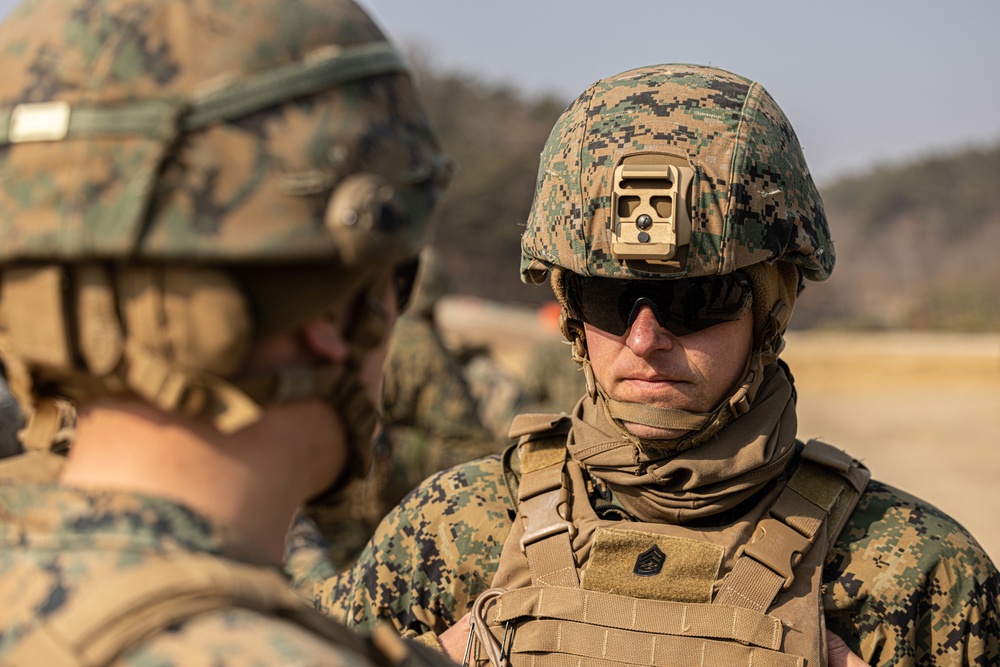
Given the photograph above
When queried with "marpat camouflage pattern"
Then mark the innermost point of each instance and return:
(192, 135)
(904, 584)
(56, 541)
(752, 197)
(429, 423)
(423, 385)
(137, 77)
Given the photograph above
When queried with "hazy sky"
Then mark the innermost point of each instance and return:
(863, 81)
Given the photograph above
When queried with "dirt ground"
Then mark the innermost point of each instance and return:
(922, 410)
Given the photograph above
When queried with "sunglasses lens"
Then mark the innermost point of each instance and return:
(680, 306)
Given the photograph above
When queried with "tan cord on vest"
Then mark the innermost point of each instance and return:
(495, 650)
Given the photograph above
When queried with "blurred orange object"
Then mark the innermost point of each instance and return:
(548, 315)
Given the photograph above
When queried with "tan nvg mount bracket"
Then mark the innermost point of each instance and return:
(650, 218)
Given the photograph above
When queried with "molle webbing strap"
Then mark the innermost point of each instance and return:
(107, 619)
(543, 504)
(823, 490)
(607, 610)
(579, 644)
(228, 100)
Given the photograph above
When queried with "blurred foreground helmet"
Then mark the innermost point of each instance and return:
(674, 172)
(182, 178)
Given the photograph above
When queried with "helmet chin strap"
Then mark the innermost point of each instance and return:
(699, 426)
(359, 418)
(349, 397)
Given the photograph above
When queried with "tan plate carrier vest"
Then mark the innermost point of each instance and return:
(573, 590)
(107, 618)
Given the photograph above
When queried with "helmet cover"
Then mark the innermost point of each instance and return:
(749, 196)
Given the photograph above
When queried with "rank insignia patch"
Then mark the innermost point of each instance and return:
(678, 569)
(649, 562)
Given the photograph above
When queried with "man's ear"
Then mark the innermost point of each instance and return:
(323, 337)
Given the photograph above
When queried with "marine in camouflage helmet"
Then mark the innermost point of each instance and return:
(676, 219)
(297, 162)
(674, 172)
(210, 214)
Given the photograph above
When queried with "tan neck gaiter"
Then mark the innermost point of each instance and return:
(677, 487)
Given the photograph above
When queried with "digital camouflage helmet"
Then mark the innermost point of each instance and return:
(678, 172)
(180, 179)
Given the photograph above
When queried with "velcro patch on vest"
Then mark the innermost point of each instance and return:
(542, 454)
(652, 566)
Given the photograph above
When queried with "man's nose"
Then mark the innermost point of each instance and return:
(646, 335)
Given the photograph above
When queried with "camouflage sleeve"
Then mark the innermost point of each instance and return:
(430, 557)
(907, 585)
(307, 556)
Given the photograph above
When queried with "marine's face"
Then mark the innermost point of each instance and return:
(648, 364)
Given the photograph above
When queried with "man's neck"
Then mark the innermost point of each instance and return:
(248, 481)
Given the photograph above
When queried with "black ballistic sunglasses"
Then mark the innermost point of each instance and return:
(680, 306)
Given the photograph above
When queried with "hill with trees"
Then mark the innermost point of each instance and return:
(917, 244)
(917, 247)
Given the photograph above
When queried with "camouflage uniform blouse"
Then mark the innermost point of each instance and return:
(56, 541)
(904, 585)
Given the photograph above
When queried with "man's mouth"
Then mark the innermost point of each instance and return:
(654, 380)
(652, 389)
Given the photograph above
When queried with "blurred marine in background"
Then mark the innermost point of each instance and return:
(429, 420)
(674, 517)
(423, 387)
(210, 214)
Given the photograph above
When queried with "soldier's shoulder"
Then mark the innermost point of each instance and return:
(911, 585)
(478, 483)
(430, 556)
(887, 517)
(241, 637)
(896, 540)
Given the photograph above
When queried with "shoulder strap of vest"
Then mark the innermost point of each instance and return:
(546, 431)
(108, 618)
(32, 466)
(823, 490)
(539, 491)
